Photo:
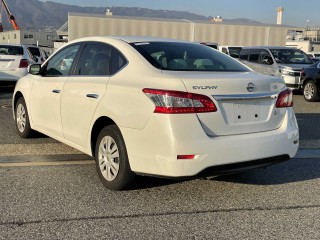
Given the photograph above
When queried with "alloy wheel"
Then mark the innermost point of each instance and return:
(309, 91)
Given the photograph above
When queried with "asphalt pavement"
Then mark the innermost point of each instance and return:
(52, 191)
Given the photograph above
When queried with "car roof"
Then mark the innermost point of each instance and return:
(269, 47)
(133, 39)
(32, 46)
(209, 43)
(128, 39)
(9, 44)
(231, 46)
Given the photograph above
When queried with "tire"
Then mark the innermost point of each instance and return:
(112, 161)
(22, 119)
(310, 91)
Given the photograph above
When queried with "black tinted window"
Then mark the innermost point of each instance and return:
(178, 56)
(34, 51)
(94, 60)
(117, 62)
(235, 51)
(244, 54)
(254, 56)
(11, 50)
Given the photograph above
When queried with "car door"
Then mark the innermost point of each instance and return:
(47, 90)
(83, 91)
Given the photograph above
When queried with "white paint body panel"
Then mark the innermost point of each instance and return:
(44, 108)
(77, 109)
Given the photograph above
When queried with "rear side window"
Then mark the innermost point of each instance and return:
(11, 50)
(177, 56)
(118, 61)
(34, 51)
(244, 54)
(254, 56)
(225, 50)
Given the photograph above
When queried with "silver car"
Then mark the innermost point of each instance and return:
(283, 62)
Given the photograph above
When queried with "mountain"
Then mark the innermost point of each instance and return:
(38, 15)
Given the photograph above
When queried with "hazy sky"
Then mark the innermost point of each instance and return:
(296, 12)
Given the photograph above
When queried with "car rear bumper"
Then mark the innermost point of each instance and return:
(233, 167)
(12, 75)
(154, 150)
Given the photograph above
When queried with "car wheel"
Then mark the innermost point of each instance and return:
(22, 119)
(310, 92)
(112, 161)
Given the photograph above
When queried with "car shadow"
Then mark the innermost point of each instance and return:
(294, 170)
(147, 182)
(297, 92)
(6, 90)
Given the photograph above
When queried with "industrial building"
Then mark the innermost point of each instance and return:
(223, 33)
(307, 40)
(29, 37)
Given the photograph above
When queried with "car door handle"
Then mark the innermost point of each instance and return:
(92, 95)
(56, 91)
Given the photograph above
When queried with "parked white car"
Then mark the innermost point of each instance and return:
(157, 107)
(14, 60)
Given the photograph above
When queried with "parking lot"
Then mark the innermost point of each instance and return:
(52, 191)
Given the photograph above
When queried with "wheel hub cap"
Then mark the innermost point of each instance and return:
(308, 91)
(21, 118)
(108, 158)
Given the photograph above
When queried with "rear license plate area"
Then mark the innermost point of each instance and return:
(246, 112)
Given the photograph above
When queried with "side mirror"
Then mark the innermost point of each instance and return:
(34, 69)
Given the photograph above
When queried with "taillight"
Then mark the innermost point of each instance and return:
(175, 102)
(186, 157)
(24, 63)
(285, 99)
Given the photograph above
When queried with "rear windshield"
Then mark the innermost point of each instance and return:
(176, 56)
(11, 50)
(34, 51)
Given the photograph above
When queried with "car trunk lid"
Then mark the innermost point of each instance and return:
(8, 62)
(245, 101)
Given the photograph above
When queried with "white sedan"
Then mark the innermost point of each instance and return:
(14, 60)
(157, 107)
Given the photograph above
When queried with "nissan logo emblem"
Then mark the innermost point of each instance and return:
(251, 87)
